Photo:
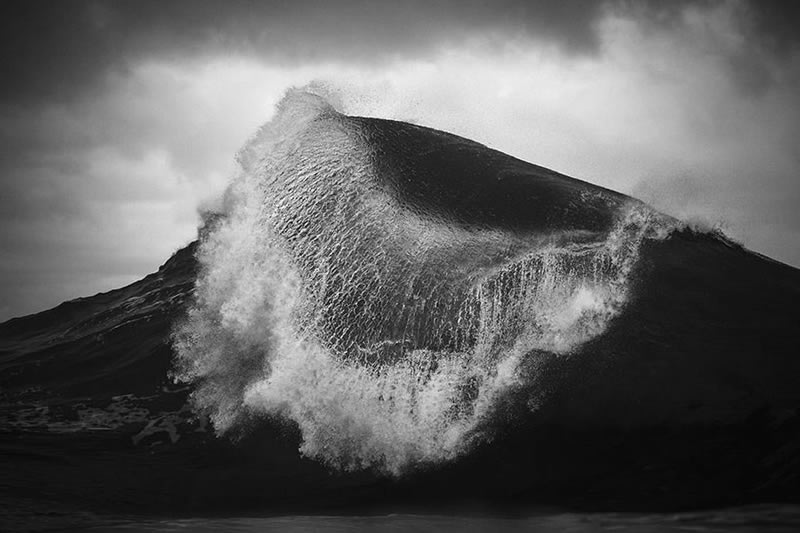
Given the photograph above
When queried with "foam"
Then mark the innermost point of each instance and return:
(387, 336)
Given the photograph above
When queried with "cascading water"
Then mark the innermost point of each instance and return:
(387, 333)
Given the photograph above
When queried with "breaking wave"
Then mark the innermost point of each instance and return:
(388, 330)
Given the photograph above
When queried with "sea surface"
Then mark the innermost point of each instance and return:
(763, 518)
(387, 327)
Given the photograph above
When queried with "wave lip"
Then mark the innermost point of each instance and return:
(380, 283)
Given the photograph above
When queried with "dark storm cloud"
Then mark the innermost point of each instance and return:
(55, 49)
(52, 49)
(768, 29)
(777, 22)
(770, 23)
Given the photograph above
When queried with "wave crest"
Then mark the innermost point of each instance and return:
(387, 335)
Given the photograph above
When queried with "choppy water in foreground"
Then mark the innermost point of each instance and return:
(745, 519)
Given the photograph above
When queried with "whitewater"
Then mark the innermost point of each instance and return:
(388, 321)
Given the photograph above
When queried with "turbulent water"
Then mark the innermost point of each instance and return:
(385, 330)
(380, 317)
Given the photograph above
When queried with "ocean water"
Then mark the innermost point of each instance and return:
(379, 315)
(753, 519)
(333, 294)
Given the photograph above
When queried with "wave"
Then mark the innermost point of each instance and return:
(380, 284)
(435, 324)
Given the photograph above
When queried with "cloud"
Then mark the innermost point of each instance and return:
(121, 118)
(57, 50)
(101, 191)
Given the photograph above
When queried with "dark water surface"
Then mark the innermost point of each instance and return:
(389, 318)
(745, 519)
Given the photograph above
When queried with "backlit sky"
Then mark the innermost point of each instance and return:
(119, 119)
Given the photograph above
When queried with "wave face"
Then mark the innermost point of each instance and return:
(396, 300)
(382, 285)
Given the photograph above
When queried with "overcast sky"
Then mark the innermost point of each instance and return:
(118, 119)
